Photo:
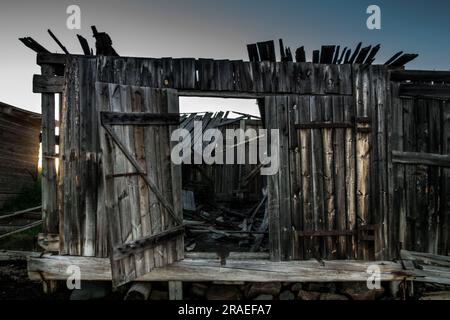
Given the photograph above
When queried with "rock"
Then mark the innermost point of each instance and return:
(308, 295)
(328, 287)
(287, 295)
(264, 297)
(199, 290)
(359, 291)
(139, 291)
(159, 295)
(332, 296)
(217, 292)
(272, 288)
(296, 287)
(91, 290)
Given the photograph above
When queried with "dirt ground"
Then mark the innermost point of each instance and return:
(15, 285)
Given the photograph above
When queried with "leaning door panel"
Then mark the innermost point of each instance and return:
(142, 186)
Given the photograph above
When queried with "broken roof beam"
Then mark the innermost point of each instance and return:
(33, 45)
(285, 52)
(326, 54)
(393, 58)
(355, 53)
(347, 56)
(103, 43)
(336, 54)
(267, 51)
(362, 55)
(63, 48)
(371, 57)
(84, 45)
(300, 54)
(282, 50)
(343, 54)
(253, 54)
(316, 56)
(404, 59)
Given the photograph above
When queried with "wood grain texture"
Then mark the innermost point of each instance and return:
(136, 211)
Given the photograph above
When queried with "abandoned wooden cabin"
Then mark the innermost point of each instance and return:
(19, 150)
(364, 157)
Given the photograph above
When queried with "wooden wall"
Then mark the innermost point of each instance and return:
(19, 150)
(82, 209)
(334, 196)
(420, 133)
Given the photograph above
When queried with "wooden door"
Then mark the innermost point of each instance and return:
(420, 143)
(142, 185)
(319, 199)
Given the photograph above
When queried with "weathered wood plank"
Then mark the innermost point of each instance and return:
(304, 137)
(363, 105)
(419, 158)
(284, 177)
(54, 267)
(425, 90)
(420, 75)
(317, 113)
(273, 187)
(48, 84)
(139, 118)
(49, 183)
(328, 178)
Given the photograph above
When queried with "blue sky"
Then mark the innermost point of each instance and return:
(217, 29)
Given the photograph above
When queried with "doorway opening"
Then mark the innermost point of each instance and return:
(224, 202)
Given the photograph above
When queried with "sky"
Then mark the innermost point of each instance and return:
(216, 29)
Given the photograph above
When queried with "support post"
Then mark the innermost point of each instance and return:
(175, 290)
(49, 190)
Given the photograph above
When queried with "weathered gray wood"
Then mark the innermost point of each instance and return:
(54, 267)
(397, 223)
(420, 75)
(143, 207)
(434, 176)
(139, 118)
(419, 158)
(49, 183)
(142, 244)
(284, 177)
(316, 114)
(347, 221)
(328, 177)
(20, 212)
(175, 290)
(380, 192)
(15, 230)
(273, 187)
(363, 105)
(426, 258)
(11, 255)
(445, 204)
(48, 84)
(425, 90)
(306, 172)
(48, 242)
